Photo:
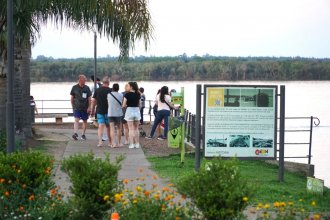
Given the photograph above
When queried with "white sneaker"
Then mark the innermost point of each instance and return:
(131, 146)
(137, 145)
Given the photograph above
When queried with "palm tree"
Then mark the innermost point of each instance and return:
(122, 21)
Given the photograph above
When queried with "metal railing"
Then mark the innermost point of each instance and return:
(313, 121)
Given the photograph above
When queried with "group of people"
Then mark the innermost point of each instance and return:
(114, 110)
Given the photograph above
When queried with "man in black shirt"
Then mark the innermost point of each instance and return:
(80, 102)
(101, 102)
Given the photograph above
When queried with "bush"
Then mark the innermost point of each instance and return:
(218, 191)
(153, 203)
(92, 179)
(26, 189)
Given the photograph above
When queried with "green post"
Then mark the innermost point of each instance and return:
(176, 133)
(182, 145)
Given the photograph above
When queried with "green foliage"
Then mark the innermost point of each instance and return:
(154, 203)
(264, 177)
(92, 178)
(26, 186)
(184, 68)
(219, 190)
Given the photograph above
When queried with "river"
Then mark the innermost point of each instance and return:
(303, 98)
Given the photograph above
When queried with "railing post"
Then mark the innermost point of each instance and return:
(198, 127)
(282, 132)
(310, 141)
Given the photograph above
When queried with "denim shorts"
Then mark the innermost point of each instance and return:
(102, 119)
(80, 114)
(133, 114)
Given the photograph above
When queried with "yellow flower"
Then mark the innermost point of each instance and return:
(106, 197)
(260, 205)
(117, 197)
(290, 203)
(18, 171)
(245, 199)
(142, 178)
(163, 208)
(313, 203)
(282, 204)
(316, 217)
(138, 188)
(302, 210)
(131, 193)
(267, 206)
(276, 204)
(125, 202)
(301, 200)
(156, 196)
(135, 201)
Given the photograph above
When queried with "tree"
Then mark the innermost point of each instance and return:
(122, 21)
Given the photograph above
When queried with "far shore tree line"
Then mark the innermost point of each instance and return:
(47, 69)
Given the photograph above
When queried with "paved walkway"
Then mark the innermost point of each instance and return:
(135, 164)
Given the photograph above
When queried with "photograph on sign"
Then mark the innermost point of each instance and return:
(240, 121)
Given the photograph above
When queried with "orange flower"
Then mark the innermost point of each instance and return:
(7, 194)
(2, 180)
(21, 209)
(53, 192)
(155, 177)
(170, 185)
(125, 181)
(31, 197)
(142, 178)
(154, 185)
(165, 189)
(168, 198)
(177, 218)
(276, 204)
(316, 217)
(146, 193)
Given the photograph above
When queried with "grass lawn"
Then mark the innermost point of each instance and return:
(262, 177)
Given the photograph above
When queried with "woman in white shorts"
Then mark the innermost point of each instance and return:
(132, 116)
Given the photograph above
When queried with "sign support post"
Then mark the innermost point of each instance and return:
(198, 127)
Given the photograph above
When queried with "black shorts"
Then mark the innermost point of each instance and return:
(116, 120)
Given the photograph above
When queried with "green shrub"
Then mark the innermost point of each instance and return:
(218, 191)
(154, 203)
(26, 189)
(92, 179)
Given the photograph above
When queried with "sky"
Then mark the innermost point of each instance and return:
(215, 27)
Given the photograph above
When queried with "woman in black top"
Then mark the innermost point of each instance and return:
(132, 116)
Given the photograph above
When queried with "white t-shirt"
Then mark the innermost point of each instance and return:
(161, 105)
(114, 109)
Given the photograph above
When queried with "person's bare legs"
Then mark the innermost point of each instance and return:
(108, 130)
(136, 132)
(119, 134)
(84, 126)
(126, 133)
(112, 134)
(100, 133)
(131, 133)
(76, 125)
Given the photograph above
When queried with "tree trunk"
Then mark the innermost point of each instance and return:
(21, 90)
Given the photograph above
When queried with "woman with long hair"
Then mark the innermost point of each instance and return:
(164, 111)
(132, 116)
